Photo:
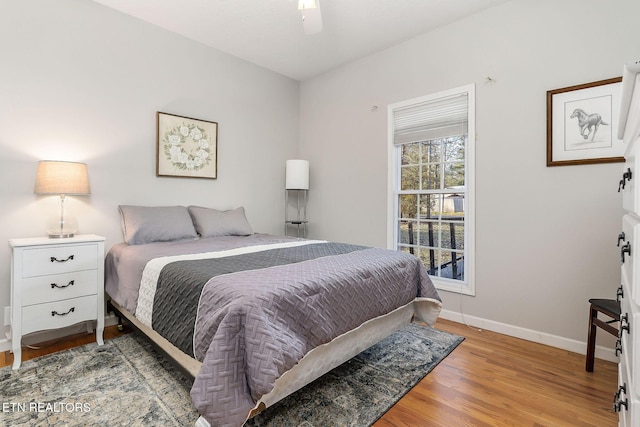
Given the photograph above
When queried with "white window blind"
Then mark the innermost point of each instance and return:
(439, 118)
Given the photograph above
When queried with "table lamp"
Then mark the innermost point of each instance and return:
(63, 178)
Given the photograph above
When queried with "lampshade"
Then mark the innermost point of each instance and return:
(297, 175)
(55, 177)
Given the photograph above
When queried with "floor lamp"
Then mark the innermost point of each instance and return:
(297, 181)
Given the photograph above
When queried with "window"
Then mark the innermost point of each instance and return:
(431, 181)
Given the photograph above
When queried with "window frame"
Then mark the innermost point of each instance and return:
(466, 286)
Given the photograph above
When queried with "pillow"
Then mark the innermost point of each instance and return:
(212, 222)
(147, 224)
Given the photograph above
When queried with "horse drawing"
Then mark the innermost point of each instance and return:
(587, 122)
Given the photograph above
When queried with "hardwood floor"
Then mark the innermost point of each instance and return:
(494, 380)
(6, 358)
(489, 380)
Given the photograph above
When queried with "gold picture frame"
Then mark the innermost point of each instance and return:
(186, 147)
(581, 122)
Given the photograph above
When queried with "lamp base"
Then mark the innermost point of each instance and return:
(60, 236)
(62, 227)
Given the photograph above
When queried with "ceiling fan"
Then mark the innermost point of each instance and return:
(311, 16)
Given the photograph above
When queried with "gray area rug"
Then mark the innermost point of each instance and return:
(125, 382)
(122, 383)
(361, 390)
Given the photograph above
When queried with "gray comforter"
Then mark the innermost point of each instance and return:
(256, 315)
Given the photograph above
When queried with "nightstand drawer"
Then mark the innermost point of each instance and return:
(58, 314)
(59, 259)
(36, 290)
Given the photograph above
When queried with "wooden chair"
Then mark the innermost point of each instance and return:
(608, 307)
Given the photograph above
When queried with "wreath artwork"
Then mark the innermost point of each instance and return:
(188, 147)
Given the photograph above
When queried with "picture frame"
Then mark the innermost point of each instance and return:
(186, 147)
(581, 123)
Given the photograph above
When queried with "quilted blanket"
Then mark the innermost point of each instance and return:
(250, 314)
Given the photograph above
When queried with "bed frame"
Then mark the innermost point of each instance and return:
(312, 366)
(185, 364)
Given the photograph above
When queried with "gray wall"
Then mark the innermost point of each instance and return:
(79, 81)
(545, 236)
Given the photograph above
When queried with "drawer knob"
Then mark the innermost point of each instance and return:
(626, 248)
(54, 259)
(618, 403)
(55, 313)
(625, 177)
(624, 323)
(55, 285)
(618, 347)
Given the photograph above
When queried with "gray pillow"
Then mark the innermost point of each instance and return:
(147, 224)
(212, 222)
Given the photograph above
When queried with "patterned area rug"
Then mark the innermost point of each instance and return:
(122, 383)
(125, 382)
(361, 390)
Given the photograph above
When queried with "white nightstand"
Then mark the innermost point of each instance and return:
(55, 283)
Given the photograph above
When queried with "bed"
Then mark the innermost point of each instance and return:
(254, 317)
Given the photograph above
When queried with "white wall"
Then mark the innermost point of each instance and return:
(79, 81)
(545, 236)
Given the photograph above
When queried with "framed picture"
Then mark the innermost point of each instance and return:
(186, 147)
(581, 124)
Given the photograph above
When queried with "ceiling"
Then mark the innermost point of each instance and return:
(270, 33)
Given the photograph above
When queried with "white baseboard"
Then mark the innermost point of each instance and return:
(529, 335)
(42, 336)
